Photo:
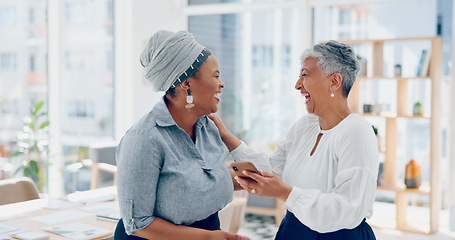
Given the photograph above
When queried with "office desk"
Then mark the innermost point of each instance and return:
(29, 209)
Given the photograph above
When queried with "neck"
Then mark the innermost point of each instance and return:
(334, 115)
(183, 118)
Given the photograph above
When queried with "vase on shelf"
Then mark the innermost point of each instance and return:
(412, 176)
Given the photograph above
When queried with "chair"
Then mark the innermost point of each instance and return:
(17, 190)
(233, 214)
(102, 164)
(96, 168)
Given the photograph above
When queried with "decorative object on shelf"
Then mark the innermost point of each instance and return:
(363, 66)
(33, 146)
(397, 70)
(367, 108)
(380, 171)
(422, 69)
(377, 108)
(412, 176)
(417, 110)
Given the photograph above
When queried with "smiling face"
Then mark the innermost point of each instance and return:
(313, 86)
(206, 87)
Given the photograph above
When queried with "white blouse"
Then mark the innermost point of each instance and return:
(335, 187)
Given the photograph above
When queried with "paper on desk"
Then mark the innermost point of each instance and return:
(60, 217)
(58, 203)
(99, 198)
(102, 208)
(78, 231)
(13, 216)
(6, 228)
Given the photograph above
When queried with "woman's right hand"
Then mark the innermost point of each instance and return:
(219, 124)
(228, 138)
(220, 235)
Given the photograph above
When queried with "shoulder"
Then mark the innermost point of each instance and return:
(356, 123)
(142, 138)
(307, 121)
(355, 128)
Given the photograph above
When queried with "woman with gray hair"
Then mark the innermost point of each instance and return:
(171, 177)
(325, 169)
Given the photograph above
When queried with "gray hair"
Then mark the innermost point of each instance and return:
(335, 57)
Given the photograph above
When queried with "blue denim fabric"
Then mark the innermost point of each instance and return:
(162, 173)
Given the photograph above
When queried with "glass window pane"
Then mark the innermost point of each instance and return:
(23, 69)
(202, 2)
(86, 75)
(259, 65)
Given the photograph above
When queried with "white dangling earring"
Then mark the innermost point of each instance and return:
(189, 100)
(332, 95)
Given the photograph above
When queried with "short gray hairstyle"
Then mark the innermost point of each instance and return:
(335, 57)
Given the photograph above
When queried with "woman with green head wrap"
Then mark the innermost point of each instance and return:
(172, 179)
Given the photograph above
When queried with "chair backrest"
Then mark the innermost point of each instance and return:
(17, 190)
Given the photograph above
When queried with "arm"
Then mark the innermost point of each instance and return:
(162, 229)
(228, 138)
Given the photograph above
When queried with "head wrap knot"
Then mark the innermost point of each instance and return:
(168, 55)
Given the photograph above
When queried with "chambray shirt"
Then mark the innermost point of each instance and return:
(162, 173)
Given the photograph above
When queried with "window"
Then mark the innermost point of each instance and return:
(86, 75)
(259, 62)
(80, 109)
(7, 15)
(8, 62)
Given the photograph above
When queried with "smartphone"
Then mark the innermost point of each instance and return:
(238, 168)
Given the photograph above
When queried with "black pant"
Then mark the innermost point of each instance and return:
(210, 223)
(291, 228)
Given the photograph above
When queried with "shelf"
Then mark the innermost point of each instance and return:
(382, 213)
(394, 115)
(400, 78)
(423, 190)
(401, 214)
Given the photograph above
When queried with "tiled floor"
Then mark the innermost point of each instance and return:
(261, 227)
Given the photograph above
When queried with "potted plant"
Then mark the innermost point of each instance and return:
(33, 146)
(417, 110)
(363, 65)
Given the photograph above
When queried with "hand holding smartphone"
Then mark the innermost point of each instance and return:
(239, 167)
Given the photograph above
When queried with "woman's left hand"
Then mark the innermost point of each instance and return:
(266, 185)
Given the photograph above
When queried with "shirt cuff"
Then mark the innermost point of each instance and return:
(239, 151)
(301, 200)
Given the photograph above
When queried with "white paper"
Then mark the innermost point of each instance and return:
(13, 216)
(29, 235)
(58, 203)
(78, 231)
(61, 217)
(6, 228)
(102, 208)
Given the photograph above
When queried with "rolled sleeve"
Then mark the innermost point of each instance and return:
(138, 173)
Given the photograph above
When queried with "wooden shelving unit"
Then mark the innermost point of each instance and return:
(390, 181)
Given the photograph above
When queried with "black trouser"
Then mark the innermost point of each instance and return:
(210, 223)
(291, 228)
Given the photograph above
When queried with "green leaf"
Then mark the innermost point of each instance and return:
(34, 167)
(16, 153)
(26, 172)
(44, 124)
(37, 107)
(31, 125)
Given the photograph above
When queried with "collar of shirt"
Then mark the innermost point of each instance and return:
(164, 118)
